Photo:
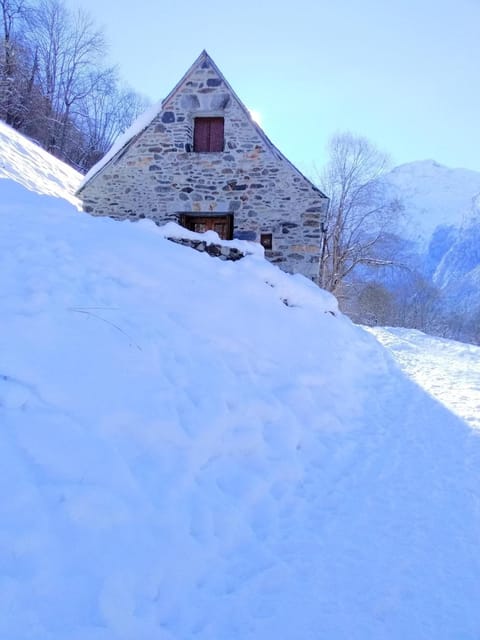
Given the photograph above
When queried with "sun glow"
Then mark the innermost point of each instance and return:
(255, 115)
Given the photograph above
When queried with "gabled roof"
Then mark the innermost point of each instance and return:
(126, 139)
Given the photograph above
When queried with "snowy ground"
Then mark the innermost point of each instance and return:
(447, 369)
(201, 449)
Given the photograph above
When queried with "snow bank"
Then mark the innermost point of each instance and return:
(193, 448)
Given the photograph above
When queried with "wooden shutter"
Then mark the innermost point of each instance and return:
(216, 134)
(208, 134)
(201, 136)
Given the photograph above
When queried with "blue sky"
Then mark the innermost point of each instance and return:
(405, 74)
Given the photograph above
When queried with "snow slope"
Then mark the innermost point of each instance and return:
(24, 162)
(447, 369)
(201, 449)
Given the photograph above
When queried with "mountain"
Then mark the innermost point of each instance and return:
(434, 196)
(436, 286)
(461, 258)
(458, 276)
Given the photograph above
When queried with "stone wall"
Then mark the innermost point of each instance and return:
(214, 250)
(158, 176)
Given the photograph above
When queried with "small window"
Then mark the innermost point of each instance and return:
(208, 134)
(266, 241)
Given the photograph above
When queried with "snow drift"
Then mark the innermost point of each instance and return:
(193, 448)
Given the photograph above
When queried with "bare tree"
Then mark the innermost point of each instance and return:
(81, 68)
(374, 305)
(361, 217)
(54, 84)
(107, 111)
(49, 30)
(12, 63)
(70, 54)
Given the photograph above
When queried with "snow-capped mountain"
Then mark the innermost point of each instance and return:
(440, 239)
(434, 196)
(461, 258)
(458, 276)
(192, 448)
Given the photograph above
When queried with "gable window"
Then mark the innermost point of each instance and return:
(208, 134)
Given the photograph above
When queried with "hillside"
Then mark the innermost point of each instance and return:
(193, 448)
(24, 162)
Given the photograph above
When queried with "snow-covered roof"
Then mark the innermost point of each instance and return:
(145, 119)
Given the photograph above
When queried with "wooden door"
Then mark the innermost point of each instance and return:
(220, 224)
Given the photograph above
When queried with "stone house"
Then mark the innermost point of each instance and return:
(199, 159)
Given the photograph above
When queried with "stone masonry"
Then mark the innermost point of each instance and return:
(210, 248)
(157, 175)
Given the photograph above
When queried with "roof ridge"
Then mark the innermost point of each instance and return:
(204, 55)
